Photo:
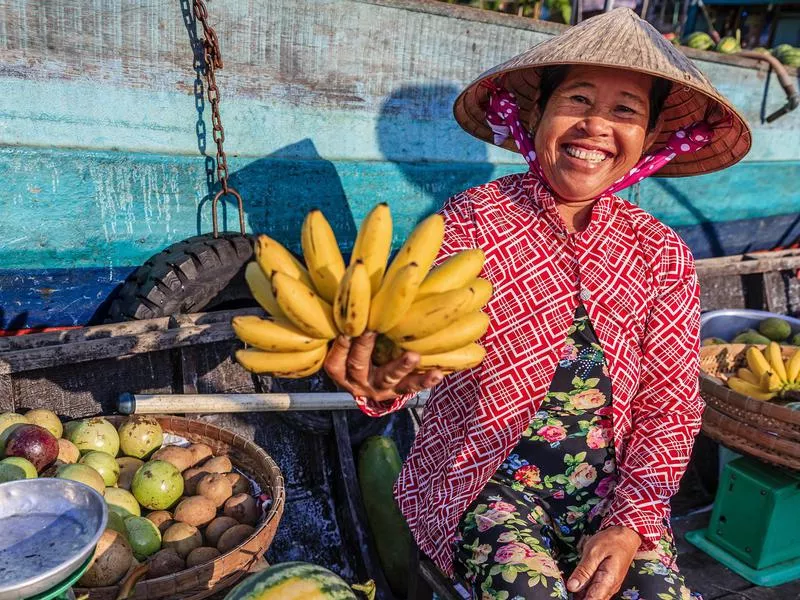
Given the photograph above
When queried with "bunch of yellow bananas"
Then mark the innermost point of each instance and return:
(437, 313)
(767, 374)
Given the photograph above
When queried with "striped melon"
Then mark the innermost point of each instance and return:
(293, 581)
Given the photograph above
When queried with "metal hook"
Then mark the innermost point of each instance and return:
(219, 194)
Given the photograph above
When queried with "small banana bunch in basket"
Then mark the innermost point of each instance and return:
(436, 313)
(768, 375)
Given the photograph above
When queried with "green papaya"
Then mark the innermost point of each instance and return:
(750, 336)
(775, 329)
(796, 339)
(378, 468)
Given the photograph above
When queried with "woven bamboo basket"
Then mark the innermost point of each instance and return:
(766, 430)
(209, 578)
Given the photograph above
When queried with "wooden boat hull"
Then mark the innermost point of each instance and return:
(336, 104)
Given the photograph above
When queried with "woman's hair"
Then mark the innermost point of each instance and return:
(552, 77)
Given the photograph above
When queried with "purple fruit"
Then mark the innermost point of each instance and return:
(33, 443)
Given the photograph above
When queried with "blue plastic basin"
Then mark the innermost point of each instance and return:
(725, 324)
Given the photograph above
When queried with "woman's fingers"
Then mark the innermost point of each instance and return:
(392, 373)
(336, 361)
(359, 360)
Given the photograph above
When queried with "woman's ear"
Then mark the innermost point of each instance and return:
(653, 133)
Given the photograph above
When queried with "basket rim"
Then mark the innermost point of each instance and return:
(714, 426)
(274, 513)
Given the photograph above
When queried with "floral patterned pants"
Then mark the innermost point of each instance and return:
(523, 536)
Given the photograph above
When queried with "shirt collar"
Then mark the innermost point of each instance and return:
(542, 201)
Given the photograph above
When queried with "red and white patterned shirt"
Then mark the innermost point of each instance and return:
(637, 280)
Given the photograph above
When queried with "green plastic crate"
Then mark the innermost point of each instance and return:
(756, 516)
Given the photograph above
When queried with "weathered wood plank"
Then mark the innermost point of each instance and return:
(84, 334)
(92, 350)
(73, 390)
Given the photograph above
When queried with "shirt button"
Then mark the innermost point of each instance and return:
(561, 235)
(585, 294)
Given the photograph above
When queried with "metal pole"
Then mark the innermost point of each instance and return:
(608, 6)
(162, 404)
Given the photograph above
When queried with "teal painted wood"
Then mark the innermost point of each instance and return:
(68, 208)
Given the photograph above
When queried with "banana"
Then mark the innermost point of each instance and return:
(459, 333)
(757, 362)
(457, 271)
(351, 306)
(290, 365)
(321, 252)
(261, 289)
(793, 368)
(373, 244)
(394, 298)
(433, 313)
(775, 360)
(748, 389)
(273, 257)
(307, 311)
(770, 382)
(748, 376)
(483, 292)
(421, 247)
(271, 336)
(459, 359)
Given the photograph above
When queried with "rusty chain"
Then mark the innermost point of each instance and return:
(213, 61)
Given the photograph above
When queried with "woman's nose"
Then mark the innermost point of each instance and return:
(595, 125)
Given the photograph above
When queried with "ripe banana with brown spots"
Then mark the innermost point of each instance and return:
(290, 365)
(261, 289)
(395, 297)
(421, 247)
(351, 305)
(466, 357)
(459, 333)
(455, 272)
(322, 255)
(272, 257)
(301, 305)
(272, 336)
(427, 316)
(373, 244)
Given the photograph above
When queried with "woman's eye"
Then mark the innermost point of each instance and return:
(626, 109)
(580, 99)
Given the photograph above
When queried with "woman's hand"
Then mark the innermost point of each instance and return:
(606, 559)
(349, 364)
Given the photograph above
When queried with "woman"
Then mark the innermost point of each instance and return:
(549, 468)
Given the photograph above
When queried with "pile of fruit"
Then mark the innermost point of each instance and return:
(699, 40)
(437, 313)
(768, 375)
(771, 329)
(174, 507)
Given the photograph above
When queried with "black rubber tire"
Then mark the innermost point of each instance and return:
(201, 273)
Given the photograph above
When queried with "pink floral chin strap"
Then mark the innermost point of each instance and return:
(503, 117)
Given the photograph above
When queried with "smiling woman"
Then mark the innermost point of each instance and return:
(548, 469)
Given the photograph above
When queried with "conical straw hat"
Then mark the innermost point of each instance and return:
(619, 39)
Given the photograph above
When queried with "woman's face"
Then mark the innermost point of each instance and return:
(593, 130)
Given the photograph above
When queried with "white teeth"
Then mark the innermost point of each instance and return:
(587, 155)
